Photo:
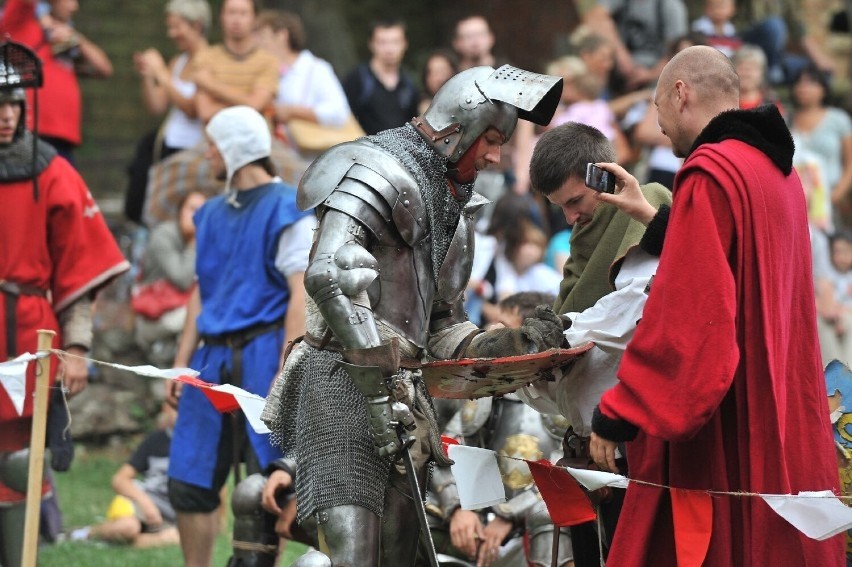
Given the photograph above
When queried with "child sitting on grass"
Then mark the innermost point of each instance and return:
(140, 514)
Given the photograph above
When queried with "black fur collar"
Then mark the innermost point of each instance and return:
(762, 128)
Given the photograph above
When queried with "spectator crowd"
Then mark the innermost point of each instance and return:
(540, 240)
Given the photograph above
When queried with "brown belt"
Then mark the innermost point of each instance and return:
(12, 291)
(12, 288)
(237, 341)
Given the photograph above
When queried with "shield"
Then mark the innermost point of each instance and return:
(470, 378)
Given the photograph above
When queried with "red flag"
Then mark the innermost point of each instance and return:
(222, 401)
(566, 502)
(692, 512)
(446, 442)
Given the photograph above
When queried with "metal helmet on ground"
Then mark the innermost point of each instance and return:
(480, 98)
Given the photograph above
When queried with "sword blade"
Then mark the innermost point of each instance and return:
(425, 534)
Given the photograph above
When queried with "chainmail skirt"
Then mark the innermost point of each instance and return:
(319, 419)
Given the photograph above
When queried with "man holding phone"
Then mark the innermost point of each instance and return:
(601, 296)
(722, 387)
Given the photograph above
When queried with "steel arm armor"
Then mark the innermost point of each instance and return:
(338, 276)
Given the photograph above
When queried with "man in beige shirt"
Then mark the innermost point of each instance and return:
(237, 71)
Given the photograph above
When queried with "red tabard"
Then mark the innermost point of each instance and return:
(60, 244)
(724, 377)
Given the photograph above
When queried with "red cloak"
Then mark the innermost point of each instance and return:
(60, 244)
(723, 377)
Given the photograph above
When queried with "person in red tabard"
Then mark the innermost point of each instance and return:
(64, 52)
(55, 253)
(722, 386)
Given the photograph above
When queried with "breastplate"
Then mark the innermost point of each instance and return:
(403, 294)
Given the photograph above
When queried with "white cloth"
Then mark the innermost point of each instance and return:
(539, 277)
(311, 82)
(181, 131)
(241, 135)
(610, 324)
(294, 246)
(705, 25)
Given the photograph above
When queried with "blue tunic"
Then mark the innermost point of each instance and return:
(240, 288)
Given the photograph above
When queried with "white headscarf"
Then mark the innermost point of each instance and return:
(242, 136)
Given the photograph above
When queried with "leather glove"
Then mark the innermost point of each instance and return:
(545, 328)
(58, 439)
(538, 333)
(371, 370)
(385, 417)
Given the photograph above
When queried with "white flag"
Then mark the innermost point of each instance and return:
(154, 372)
(593, 480)
(818, 515)
(477, 477)
(251, 404)
(13, 377)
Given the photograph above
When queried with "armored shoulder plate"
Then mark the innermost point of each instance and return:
(393, 190)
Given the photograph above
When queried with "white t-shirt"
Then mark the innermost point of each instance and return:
(311, 82)
(610, 324)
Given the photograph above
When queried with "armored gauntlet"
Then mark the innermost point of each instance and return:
(373, 370)
(540, 332)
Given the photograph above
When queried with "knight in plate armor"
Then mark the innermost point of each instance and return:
(390, 261)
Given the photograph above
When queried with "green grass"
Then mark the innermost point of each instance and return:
(84, 495)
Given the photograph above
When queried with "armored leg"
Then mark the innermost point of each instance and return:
(400, 526)
(540, 531)
(349, 535)
(12, 520)
(255, 541)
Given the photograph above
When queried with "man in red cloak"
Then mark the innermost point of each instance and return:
(55, 252)
(722, 386)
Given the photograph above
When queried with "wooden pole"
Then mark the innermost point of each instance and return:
(35, 473)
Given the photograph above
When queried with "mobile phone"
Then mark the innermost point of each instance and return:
(599, 179)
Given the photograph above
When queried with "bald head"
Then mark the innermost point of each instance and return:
(695, 86)
(710, 75)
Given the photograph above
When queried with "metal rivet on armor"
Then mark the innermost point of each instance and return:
(467, 100)
(406, 202)
(446, 140)
(353, 159)
(361, 265)
(406, 321)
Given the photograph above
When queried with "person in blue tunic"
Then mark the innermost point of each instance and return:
(252, 245)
